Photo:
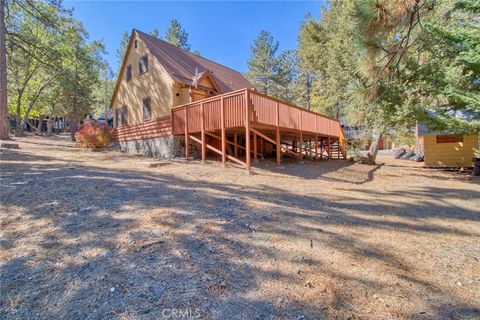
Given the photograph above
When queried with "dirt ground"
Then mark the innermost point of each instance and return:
(105, 235)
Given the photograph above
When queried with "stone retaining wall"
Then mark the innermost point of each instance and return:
(160, 147)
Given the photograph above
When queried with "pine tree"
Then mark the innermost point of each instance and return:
(177, 35)
(277, 75)
(3, 76)
(154, 32)
(384, 30)
(447, 77)
(287, 85)
(326, 58)
(263, 64)
(121, 51)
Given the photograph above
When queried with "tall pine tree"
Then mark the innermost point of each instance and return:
(263, 64)
(445, 74)
(154, 32)
(3, 76)
(326, 57)
(177, 35)
(122, 49)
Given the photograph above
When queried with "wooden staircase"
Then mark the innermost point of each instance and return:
(335, 150)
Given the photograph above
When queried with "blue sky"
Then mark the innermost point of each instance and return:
(221, 30)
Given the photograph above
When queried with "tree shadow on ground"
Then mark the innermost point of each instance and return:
(311, 170)
(127, 244)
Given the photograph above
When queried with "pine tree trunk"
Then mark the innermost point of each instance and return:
(373, 150)
(49, 125)
(19, 128)
(40, 126)
(3, 76)
(73, 129)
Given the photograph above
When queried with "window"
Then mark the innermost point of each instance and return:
(124, 116)
(121, 117)
(147, 109)
(129, 72)
(136, 44)
(143, 64)
(450, 138)
(118, 117)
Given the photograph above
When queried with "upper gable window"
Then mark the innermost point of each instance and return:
(129, 72)
(147, 109)
(143, 64)
(135, 44)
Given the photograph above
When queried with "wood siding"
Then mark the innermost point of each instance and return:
(156, 84)
(181, 94)
(146, 130)
(452, 154)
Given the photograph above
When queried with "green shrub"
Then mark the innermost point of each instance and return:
(93, 136)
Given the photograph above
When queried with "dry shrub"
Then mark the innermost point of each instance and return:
(93, 135)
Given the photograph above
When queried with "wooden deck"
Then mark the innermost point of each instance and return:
(248, 120)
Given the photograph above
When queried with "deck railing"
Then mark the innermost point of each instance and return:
(264, 111)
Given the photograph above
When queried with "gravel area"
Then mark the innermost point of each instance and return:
(105, 235)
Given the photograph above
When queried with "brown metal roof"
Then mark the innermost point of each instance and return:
(181, 65)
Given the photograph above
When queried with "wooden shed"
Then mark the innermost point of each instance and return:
(442, 149)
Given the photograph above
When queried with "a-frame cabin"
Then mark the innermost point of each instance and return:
(156, 76)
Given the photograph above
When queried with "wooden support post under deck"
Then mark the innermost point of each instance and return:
(224, 136)
(301, 145)
(321, 148)
(219, 138)
(204, 142)
(310, 151)
(316, 139)
(254, 146)
(301, 137)
(248, 149)
(328, 147)
(187, 142)
(235, 141)
(277, 136)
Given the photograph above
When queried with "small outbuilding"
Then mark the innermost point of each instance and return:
(443, 149)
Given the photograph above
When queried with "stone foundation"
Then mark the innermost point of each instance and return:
(161, 147)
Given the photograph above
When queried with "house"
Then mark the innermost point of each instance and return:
(358, 136)
(168, 101)
(156, 76)
(443, 149)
